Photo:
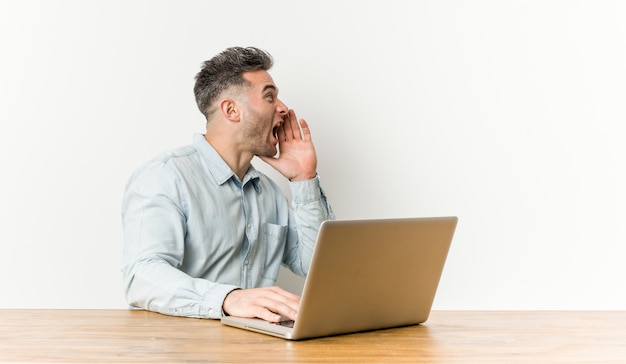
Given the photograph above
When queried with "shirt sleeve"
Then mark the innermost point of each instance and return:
(154, 238)
(310, 208)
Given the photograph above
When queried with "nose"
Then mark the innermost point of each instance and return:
(281, 108)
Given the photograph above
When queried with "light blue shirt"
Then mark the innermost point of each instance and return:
(193, 232)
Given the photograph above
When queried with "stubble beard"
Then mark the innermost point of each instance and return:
(258, 137)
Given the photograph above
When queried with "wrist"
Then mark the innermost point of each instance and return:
(224, 310)
(303, 178)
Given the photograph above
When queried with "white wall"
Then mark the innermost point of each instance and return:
(505, 113)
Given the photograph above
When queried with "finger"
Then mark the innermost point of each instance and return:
(267, 315)
(272, 310)
(285, 293)
(283, 302)
(306, 132)
(287, 127)
(287, 298)
(282, 135)
(294, 125)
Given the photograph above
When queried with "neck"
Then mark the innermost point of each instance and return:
(239, 162)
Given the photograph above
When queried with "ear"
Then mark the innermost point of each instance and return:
(230, 110)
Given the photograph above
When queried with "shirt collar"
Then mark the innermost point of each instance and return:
(218, 168)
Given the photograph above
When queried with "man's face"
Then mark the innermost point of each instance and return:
(264, 113)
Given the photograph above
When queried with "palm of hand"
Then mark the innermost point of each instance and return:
(297, 159)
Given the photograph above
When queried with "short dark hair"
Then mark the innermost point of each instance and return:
(226, 70)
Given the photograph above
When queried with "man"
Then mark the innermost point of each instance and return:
(205, 233)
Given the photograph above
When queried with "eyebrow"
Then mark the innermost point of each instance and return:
(269, 87)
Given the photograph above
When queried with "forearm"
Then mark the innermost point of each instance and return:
(310, 208)
(153, 284)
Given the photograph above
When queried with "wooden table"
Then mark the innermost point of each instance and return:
(125, 336)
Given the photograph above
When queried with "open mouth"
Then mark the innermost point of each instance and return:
(275, 130)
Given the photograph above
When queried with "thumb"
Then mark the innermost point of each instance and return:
(272, 161)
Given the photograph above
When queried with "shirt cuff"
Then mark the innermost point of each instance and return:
(214, 299)
(306, 191)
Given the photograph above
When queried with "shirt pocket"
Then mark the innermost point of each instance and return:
(273, 240)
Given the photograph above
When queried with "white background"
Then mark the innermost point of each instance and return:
(507, 114)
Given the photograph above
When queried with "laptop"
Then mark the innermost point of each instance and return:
(366, 275)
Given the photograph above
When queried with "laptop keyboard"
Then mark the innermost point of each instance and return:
(286, 323)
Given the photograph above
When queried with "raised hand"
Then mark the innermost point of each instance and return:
(296, 160)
